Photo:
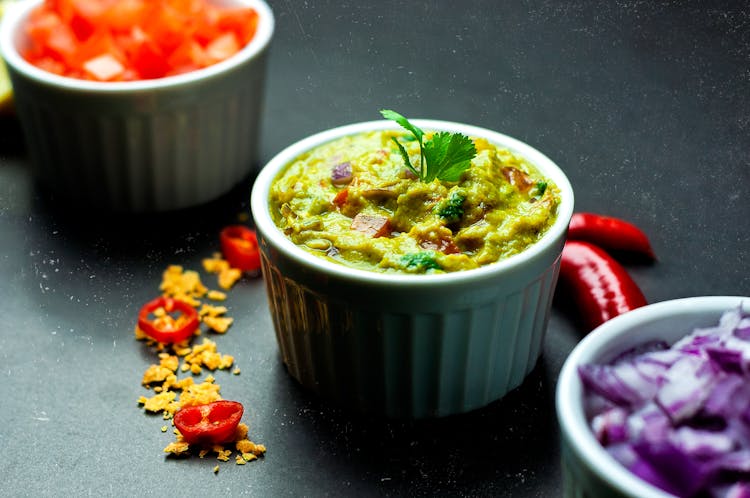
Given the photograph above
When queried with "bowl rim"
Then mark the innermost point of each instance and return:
(16, 13)
(568, 397)
(269, 231)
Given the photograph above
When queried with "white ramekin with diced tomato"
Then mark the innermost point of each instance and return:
(154, 135)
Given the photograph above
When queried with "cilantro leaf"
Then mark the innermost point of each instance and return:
(403, 122)
(444, 157)
(405, 156)
(452, 208)
(448, 155)
(420, 262)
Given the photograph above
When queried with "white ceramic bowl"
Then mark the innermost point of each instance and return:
(138, 146)
(588, 470)
(409, 345)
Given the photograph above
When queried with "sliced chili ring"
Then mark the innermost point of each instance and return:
(164, 327)
(239, 244)
(212, 423)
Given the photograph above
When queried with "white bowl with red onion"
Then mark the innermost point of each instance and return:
(656, 403)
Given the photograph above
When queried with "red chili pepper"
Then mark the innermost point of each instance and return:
(163, 327)
(609, 233)
(212, 423)
(599, 285)
(239, 244)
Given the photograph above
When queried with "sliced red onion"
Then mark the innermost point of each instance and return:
(679, 417)
(341, 173)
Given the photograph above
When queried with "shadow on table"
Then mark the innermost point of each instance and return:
(505, 449)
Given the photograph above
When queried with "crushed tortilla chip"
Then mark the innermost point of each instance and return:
(177, 448)
(173, 393)
(229, 277)
(184, 285)
(219, 324)
(206, 355)
(159, 402)
(200, 394)
(215, 295)
(211, 310)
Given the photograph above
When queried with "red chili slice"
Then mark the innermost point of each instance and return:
(599, 285)
(609, 233)
(166, 328)
(239, 244)
(212, 423)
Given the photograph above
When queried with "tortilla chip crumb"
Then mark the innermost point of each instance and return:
(249, 457)
(242, 430)
(218, 324)
(164, 428)
(202, 453)
(211, 310)
(181, 284)
(228, 278)
(206, 355)
(215, 295)
(236, 371)
(200, 394)
(139, 334)
(176, 448)
(240, 460)
(158, 402)
(155, 373)
(216, 469)
(222, 454)
(215, 264)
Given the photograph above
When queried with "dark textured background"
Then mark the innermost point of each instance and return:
(646, 106)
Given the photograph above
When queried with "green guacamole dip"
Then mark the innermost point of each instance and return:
(353, 201)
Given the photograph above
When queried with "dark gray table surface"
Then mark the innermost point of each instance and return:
(646, 106)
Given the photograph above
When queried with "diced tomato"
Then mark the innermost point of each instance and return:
(340, 198)
(148, 60)
(123, 15)
(223, 47)
(189, 56)
(240, 21)
(147, 38)
(104, 68)
(374, 226)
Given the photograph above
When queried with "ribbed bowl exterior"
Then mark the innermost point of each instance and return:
(407, 356)
(154, 146)
(164, 157)
(401, 345)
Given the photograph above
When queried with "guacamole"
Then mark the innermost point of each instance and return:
(353, 201)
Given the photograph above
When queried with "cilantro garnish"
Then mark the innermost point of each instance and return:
(452, 208)
(444, 157)
(420, 261)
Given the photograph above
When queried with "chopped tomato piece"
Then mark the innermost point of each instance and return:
(223, 47)
(442, 244)
(374, 226)
(239, 244)
(340, 198)
(518, 178)
(208, 424)
(103, 68)
(148, 38)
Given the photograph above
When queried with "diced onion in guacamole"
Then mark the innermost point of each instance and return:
(354, 202)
